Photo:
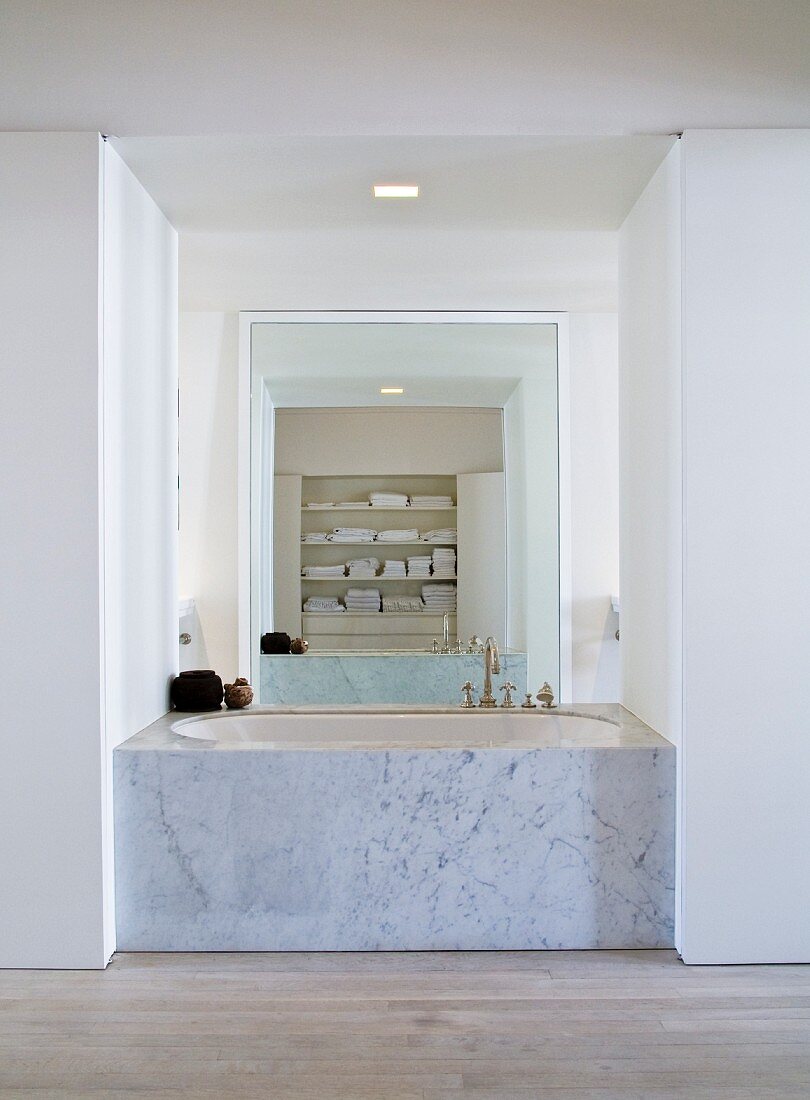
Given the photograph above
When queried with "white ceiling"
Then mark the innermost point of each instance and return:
(444, 363)
(254, 184)
(501, 222)
(403, 67)
(330, 95)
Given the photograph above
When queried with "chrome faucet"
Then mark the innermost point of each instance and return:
(492, 663)
(446, 632)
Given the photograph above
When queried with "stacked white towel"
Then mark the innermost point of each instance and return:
(314, 536)
(402, 603)
(388, 500)
(321, 504)
(324, 571)
(363, 568)
(352, 534)
(444, 562)
(394, 569)
(323, 605)
(441, 534)
(409, 535)
(363, 599)
(439, 597)
(424, 500)
(419, 566)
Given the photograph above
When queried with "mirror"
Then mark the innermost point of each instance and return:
(409, 522)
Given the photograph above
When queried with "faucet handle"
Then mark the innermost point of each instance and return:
(546, 696)
(508, 688)
(468, 690)
(527, 703)
(474, 645)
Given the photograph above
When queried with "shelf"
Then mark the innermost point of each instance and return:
(375, 580)
(343, 615)
(378, 545)
(368, 509)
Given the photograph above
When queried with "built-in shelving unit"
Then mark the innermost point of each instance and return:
(370, 630)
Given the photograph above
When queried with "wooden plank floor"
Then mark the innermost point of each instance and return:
(420, 1026)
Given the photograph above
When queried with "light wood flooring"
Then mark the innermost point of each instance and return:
(629, 1025)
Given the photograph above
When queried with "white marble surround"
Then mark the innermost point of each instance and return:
(403, 678)
(251, 847)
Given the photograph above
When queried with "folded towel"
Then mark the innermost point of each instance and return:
(402, 604)
(408, 535)
(441, 534)
(323, 571)
(325, 504)
(425, 500)
(314, 536)
(389, 500)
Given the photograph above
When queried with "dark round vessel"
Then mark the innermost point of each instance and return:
(197, 690)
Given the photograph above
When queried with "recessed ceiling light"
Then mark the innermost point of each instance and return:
(391, 389)
(396, 191)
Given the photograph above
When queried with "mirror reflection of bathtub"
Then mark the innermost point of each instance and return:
(404, 677)
(476, 428)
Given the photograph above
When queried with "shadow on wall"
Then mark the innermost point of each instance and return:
(596, 653)
(208, 483)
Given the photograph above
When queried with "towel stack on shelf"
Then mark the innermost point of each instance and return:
(363, 568)
(400, 604)
(323, 605)
(439, 597)
(352, 534)
(441, 534)
(388, 500)
(313, 571)
(314, 536)
(409, 535)
(363, 599)
(394, 569)
(419, 566)
(424, 500)
(444, 562)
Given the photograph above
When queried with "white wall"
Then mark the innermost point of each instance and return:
(650, 451)
(51, 747)
(139, 465)
(594, 394)
(85, 552)
(388, 441)
(746, 758)
(208, 449)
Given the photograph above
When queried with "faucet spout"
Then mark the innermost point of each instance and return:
(446, 632)
(492, 663)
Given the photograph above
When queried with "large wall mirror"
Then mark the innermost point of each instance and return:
(403, 488)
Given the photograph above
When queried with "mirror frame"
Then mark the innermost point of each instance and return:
(248, 319)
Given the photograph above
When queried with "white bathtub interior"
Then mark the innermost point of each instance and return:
(403, 729)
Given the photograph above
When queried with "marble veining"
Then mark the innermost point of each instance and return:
(362, 849)
(403, 678)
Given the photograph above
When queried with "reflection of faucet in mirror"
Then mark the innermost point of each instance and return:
(475, 645)
(492, 664)
(446, 632)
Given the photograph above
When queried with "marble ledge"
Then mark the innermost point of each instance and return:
(625, 730)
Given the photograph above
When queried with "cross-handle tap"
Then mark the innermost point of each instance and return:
(468, 690)
(508, 688)
(546, 696)
(492, 664)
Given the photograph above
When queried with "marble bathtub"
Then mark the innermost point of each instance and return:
(403, 678)
(392, 829)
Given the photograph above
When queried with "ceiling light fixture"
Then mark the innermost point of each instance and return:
(391, 389)
(396, 191)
